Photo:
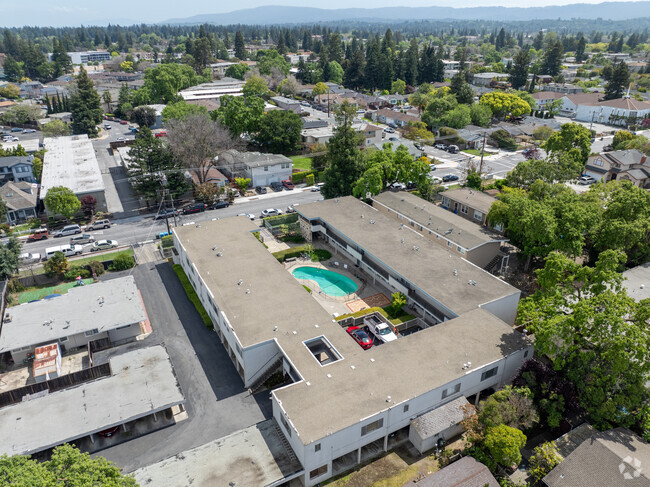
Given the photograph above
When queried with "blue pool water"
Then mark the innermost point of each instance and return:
(330, 282)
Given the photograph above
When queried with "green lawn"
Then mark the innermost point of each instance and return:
(32, 293)
(475, 152)
(191, 293)
(101, 257)
(301, 162)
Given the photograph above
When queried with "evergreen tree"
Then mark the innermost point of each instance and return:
(61, 62)
(410, 70)
(500, 41)
(538, 42)
(343, 155)
(281, 46)
(552, 59)
(580, 49)
(618, 83)
(49, 105)
(335, 48)
(461, 89)
(306, 41)
(85, 106)
(240, 47)
(354, 75)
(519, 71)
(13, 69)
(373, 72)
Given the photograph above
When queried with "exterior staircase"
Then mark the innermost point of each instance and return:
(257, 385)
(493, 263)
(285, 443)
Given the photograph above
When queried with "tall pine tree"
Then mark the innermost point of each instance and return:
(85, 106)
(618, 83)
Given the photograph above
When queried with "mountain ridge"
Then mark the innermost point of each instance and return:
(279, 14)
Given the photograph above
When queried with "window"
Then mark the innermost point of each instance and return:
(286, 425)
(463, 209)
(526, 354)
(317, 447)
(370, 427)
(406, 408)
(478, 215)
(460, 249)
(92, 332)
(449, 243)
(266, 168)
(598, 162)
(318, 472)
(489, 373)
(451, 390)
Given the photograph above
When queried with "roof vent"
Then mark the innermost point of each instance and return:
(239, 283)
(248, 291)
(275, 328)
(473, 283)
(402, 239)
(362, 216)
(329, 376)
(455, 272)
(372, 359)
(352, 367)
(388, 398)
(219, 254)
(214, 248)
(372, 222)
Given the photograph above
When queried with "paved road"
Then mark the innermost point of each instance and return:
(216, 401)
(139, 229)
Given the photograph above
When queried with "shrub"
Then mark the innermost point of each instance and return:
(293, 238)
(34, 223)
(193, 297)
(503, 140)
(15, 286)
(300, 177)
(96, 267)
(307, 289)
(57, 265)
(318, 255)
(398, 301)
(167, 241)
(5, 228)
(122, 262)
(309, 180)
(545, 459)
(75, 271)
(288, 253)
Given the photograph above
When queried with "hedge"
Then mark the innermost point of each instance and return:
(283, 255)
(278, 220)
(395, 321)
(191, 294)
(299, 177)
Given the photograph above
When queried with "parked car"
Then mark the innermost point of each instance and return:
(288, 184)
(67, 250)
(389, 130)
(392, 125)
(449, 177)
(271, 212)
(250, 216)
(166, 214)
(121, 139)
(418, 146)
(586, 180)
(124, 122)
(398, 186)
(160, 134)
(16, 129)
(317, 187)
(218, 205)
(440, 146)
(68, 230)
(380, 329)
(107, 126)
(275, 186)
(453, 149)
(107, 433)
(360, 336)
(29, 131)
(29, 258)
(608, 148)
(39, 234)
(103, 245)
(260, 190)
(194, 208)
(97, 224)
(84, 238)
(304, 103)
(394, 139)
(292, 208)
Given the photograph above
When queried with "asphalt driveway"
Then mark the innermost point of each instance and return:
(216, 401)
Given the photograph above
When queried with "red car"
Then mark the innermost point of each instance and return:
(360, 336)
(124, 122)
(287, 184)
(161, 134)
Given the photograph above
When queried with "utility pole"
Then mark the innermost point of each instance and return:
(480, 168)
(173, 209)
(169, 232)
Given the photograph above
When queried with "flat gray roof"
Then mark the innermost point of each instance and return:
(637, 282)
(471, 197)
(464, 232)
(104, 305)
(441, 274)
(337, 395)
(253, 159)
(71, 162)
(142, 382)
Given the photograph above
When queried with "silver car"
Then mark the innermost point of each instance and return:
(84, 238)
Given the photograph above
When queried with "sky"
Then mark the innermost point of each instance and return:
(76, 12)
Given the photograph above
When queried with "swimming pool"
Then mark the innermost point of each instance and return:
(330, 282)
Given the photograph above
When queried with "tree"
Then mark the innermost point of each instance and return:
(241, 114)
(22, 113)
(237, 71)
(88, 205)
(162, 83)
(55, 128)
(318, 162)
(289, 86)
(343, 155)
(280, 131)
(270, 58)
(556, 168)
(240, 47)
(552, 59)
(543, 133)
(13, 69)
(335, 72)
(108, 99)
(319, 89)
(519, 71)
(60, 200)
(181, 110)
(580, 49)
(503, 139)
(242, 184)
(594, 333)
(255, 86)
(620, 138)
(85, 106)
(417, 131)
(480, 115)
(544, 459)
(512, 406)
(572, 138)
(56, 265)
(67, 467)
(618, 83)
(197, 140)
(9, 256)
(437, 109)
(144, 116)
(461, 89)
(398, 86)
(10, 91)
(458, 118)
(503, 104)
(504, 444)
(207, 192)
(419, 100)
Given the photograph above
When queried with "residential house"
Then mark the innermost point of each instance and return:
(624, 165)
(570, 102)
(386, 115)
(545, 98)
(20, 199)
(485, 79)
(261, 169)
(6, 105)
(469, 203)
(566, 88)
(615, 458)
(30, 89)
(371, 133)
(287, 104)
(158, 108)
(16, 168)
(620, 111)
(390, 100)
(219, 68)
(466, 472)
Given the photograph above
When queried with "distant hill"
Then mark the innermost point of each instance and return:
(296, 15)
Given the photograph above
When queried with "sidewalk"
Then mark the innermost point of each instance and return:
(274, 194)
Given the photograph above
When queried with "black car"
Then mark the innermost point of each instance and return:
(218, 205)
(166, 214)
(276, 186)
(195, 208)
(260, 190)
(449, 177)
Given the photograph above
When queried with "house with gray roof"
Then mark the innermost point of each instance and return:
(466, 472)
(20, 199)
(261, 169)
(16, 168)
(623, 165)
(469, 203)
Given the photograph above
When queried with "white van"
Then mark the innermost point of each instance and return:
(67, 250)
(68, 230)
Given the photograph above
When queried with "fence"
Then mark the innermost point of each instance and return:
(15, 396)
(282, 224)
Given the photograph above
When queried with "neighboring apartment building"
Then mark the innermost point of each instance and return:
(85, 57)
(485, 79)
(344, 404)
(20, 200)
(470, 204)
(109, 309)
(213, 90)
(623, 165)
(261, 169)
(469, 240)
(614, 112)
(16, 169)
(388, 116)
